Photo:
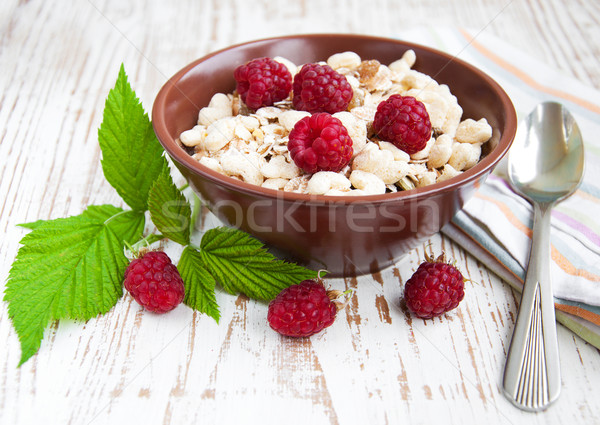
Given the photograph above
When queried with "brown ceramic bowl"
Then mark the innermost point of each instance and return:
(346, 235)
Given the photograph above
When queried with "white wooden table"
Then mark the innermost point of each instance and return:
(376, 364)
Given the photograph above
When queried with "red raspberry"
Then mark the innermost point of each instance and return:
(403, 121)
(435, 288)
(320, 143)
(262, 82)
(303, 309)
(318, 88)
(154, 282)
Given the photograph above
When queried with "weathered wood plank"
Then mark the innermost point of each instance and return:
(376, 364)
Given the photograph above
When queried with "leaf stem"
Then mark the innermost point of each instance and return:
(147, 241)
(196, 247)
(115, 215)
(196, 205)
(153, 237)
(129, 247)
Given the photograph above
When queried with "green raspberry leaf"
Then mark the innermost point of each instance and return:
(32, 225)
(69, 268)
(127, 225)
(132, 157)
(169, 210)
(240, 263)
(199, 284)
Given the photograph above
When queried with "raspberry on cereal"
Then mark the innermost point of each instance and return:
(318, 88)
(320, 143)
(403, 121)
(262, 82)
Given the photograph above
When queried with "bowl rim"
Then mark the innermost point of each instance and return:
(483, 167)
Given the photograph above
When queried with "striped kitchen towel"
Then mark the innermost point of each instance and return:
(495, 226)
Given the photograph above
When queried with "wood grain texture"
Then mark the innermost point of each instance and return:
(376, 364)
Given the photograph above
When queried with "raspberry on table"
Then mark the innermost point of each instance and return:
(154, 282)
(434, 289)
(318, 88)
(262, 82)
(303, 309)
(320, 142)
(403, 121)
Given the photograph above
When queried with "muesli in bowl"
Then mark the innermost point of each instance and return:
(349, 234)
(346, 126)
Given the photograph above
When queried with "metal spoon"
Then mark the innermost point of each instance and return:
(545, 165)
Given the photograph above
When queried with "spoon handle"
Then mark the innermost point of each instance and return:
(532, 371)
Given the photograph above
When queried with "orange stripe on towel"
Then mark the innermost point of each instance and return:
(580, 312)
(557, 257)
(525, 77)
(507, 213)
(569, 268)
(586, 196)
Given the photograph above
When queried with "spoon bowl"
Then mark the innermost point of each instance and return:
(545, 165)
